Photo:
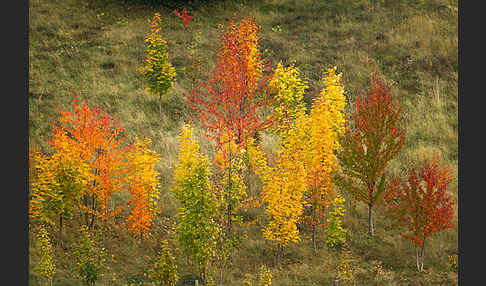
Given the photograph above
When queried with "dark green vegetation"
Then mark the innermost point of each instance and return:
(95, 47)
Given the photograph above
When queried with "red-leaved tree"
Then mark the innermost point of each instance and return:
(228, 104)
(367, 148)
(422, 204)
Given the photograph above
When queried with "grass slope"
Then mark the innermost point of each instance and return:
(94, 48)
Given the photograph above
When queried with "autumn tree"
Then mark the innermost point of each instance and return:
(323, 127)
(158, 72)
(164, 270)
(89, 163)
(58, 182)
(288, 104)
(335, 233)
(196, 228)
(89, 257)
(421, 204)
(228, 104)
(144, 185)
(283, 190)
(96, 138)
(370, 145)
(46, 267)
(318, 132)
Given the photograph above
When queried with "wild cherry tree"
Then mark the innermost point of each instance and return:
(370, 145)
(421, 204)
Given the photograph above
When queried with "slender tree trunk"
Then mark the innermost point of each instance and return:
(160, 106)
(417, 257)
(422, 254)
(86, 204)
(60, 230)
(370, 221)
(229, 192)
(280, 256)
(314, 229)
(103, 230)
(93, 216)
(221, 271)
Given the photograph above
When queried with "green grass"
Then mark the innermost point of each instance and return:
(93, 48)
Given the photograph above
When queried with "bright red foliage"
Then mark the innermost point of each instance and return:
(186, 19)
(422, 203)
(373, 142)
(227, 103)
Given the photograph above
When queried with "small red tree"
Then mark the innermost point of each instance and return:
(422, 204)
(367, 148)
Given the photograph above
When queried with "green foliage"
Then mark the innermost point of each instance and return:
(453, 263)
(345, 271)
(164, 271)
(288, 102)
(196, 228)
(89, 257)
(265, 276)
(158, 71)
(46, 267)
(335, 233)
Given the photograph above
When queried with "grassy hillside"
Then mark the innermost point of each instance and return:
(93, 48)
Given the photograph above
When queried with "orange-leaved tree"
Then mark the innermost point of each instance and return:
(370, 145)
(143, 183)
(421, 203)
(228, 104)
(90, 162)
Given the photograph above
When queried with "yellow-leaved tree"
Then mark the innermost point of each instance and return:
(196, 227)
(283, 191)
(322, 128)
(159, 73)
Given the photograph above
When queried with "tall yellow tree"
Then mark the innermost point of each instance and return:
(283, 190)
(319, 132)
(323, 127)
(196, 228)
